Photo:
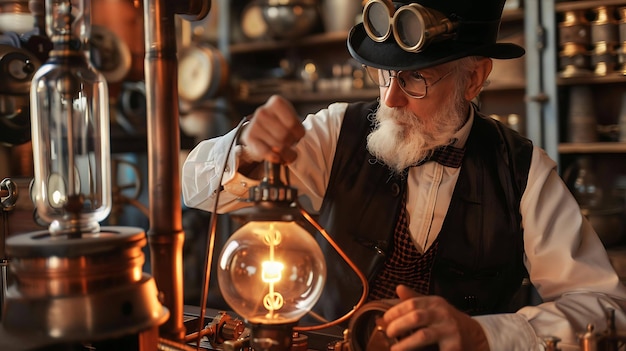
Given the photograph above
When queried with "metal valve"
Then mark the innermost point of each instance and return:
(550, 343)
(608, 340)
(589, 339)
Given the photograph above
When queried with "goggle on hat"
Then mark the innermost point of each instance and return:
(411, 35)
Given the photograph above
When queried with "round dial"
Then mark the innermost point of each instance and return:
(194, 73)
(109, 54)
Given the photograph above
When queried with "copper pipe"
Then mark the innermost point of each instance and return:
(350, 263)
(166, 236)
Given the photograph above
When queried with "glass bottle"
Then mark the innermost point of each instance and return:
(584, 184)
(70, 126)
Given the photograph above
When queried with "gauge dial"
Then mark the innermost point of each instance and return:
(202, 72)
(194, 73)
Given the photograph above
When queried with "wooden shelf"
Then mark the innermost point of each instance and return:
(272, 45)
(591, 79)
(326, 38)
(333, 46)
(592, 148)
(584, 5)
(317, 97)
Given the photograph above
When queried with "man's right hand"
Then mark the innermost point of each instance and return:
(273, 131)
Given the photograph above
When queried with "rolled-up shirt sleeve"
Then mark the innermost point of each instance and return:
(309, 173)
(202, 172)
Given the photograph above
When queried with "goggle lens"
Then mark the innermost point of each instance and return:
(413, 25)
(377, 18)
(409, 29)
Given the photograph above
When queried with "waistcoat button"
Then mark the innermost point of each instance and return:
(395, 189)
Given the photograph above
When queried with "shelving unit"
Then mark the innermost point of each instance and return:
(326, 49)
(549, 95)
(607, 93)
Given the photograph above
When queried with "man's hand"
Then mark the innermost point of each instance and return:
(273, 131)
(418, 320)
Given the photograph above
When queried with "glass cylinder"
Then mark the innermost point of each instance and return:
(70, 127)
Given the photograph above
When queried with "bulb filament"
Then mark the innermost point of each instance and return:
(272, 272)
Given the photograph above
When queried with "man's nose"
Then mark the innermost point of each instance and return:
(394, 96)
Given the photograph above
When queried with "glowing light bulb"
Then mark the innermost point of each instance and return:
(271, 272)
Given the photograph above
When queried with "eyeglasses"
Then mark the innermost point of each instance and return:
(412, 83)
(414, 26)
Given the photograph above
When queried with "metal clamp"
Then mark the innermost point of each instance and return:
(8, 194)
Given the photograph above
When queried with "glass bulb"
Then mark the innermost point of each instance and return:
(70, 128)
(271, 272)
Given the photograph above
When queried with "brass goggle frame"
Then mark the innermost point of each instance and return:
(432, 25)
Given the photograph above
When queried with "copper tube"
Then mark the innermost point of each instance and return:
(166, 236)
(350, 263)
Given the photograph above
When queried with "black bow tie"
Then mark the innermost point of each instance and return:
(448, 156)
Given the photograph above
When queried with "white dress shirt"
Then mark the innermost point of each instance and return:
(566, 260)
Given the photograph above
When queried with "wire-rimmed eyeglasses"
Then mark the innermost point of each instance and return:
(412, 83)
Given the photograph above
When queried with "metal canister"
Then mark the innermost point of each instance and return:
(604, 27)
(582, 123)
(574, 60)
(604, 37)
(621, 50)
(604, 58)
(574, 40)
(575, 28)
(551, 343)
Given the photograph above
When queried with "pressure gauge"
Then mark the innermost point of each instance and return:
(17, 67)
(202, 72)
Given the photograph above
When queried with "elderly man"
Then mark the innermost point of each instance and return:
(441, 207)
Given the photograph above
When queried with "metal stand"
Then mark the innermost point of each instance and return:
(8, 198)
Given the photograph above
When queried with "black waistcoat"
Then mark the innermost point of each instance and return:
(479, 265)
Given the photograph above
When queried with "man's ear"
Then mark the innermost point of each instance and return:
(478, 77)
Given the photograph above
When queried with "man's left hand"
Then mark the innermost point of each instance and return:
(418, 320)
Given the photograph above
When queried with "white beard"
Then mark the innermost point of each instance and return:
(401, 139)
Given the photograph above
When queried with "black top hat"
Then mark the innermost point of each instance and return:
(476, 34)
